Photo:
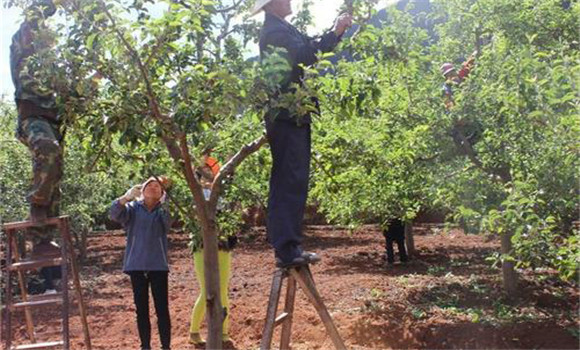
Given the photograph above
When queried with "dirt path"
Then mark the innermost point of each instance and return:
(447, 298)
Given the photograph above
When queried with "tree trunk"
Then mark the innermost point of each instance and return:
(212, 283)
(510, 277)
(409, 239)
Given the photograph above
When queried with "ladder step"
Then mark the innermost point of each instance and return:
(21, 225)
(39, 297)
(280, 319)
(34, 264)
(36, 303)
(53, 344)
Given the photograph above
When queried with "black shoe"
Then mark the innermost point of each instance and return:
(38, 214)
(297, 261)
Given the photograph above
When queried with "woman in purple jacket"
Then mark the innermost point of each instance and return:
(147, 224)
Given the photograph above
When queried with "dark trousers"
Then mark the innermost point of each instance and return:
(290, 148)
(141, 280)
(395, 233)
(402, 250)
(49, 274)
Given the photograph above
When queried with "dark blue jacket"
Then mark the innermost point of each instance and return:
(300, 49)
(146, 248)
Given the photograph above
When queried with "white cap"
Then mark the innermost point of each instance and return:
(259, 5)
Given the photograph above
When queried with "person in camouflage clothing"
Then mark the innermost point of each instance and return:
(39, 125)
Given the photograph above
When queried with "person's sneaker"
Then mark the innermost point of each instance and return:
(49, 292)
(196, 339)
(38, 214)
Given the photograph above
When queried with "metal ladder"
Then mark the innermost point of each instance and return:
(303, 277)
(14, 264)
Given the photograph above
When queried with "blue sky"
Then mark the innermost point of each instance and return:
(324, 12)
(8, 26)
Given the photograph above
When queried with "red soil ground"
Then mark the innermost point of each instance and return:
(449, 297)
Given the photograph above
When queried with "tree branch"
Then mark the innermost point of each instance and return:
(182, 3)
(234, 6)
(179, 153)
(182, 210)
(155, 49)
(462, 142)
(231, 165)
(192, 181)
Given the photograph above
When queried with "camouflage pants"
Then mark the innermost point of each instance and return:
(44, 140)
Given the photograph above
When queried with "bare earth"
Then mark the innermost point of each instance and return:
(449, 297)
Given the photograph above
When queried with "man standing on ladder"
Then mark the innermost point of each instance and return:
(39, 125)
(289, 133)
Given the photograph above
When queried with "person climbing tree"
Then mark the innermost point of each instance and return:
(39, 124)
(465, 133)
(453, 78)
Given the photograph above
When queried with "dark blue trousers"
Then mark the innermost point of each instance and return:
(290, 148)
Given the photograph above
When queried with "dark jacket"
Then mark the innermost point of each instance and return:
(300, 49)
(395, 231)
(146, 248)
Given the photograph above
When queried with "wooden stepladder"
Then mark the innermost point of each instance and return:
(14, 264)
(303, 277)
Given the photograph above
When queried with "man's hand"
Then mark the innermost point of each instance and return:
(343, 22)
(131, 194)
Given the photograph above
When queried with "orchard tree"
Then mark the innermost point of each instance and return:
(163, 76)
(502, 159)
(375, 148)
(515, 122)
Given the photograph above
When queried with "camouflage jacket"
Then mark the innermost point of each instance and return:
(25, 66)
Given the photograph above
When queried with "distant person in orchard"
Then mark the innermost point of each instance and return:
(146, 222)
(453, 78)
(39, 123)
(226, 243)
(289, 134)
(395, 233)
